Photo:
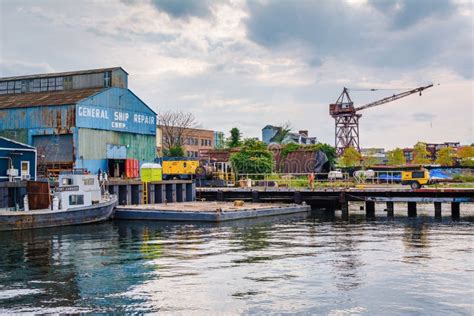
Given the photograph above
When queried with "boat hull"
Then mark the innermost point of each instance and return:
(46, 218)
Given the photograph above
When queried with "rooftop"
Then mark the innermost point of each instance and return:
(57, 74)
(23, 100)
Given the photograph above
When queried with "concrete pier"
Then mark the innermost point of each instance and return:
(131, 192)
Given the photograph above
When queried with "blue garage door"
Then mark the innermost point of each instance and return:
(55, 148)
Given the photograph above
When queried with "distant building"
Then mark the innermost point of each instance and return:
(378, 154)
(194, 141)
(408, 153)
(433, 148)
(81, 119)
(269, 133)
(17, 161)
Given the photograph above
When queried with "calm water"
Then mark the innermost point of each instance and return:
(292, 264)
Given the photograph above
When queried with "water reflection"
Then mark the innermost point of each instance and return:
(416, 242)
(283, 264)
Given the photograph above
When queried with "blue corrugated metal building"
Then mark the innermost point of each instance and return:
(18, 157)
(84, 119)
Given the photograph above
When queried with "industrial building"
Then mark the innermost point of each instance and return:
(17, 161)
(82, 119)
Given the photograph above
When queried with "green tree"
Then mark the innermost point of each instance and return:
(234, 139)
(350, 158)
(396, 157)
(466, 156)
(420, 154)
(254, 157)
(446, 157)
(176, 151)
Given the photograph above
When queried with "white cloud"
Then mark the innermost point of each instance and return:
(208, 62)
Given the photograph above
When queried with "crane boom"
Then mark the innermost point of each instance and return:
(392, 98)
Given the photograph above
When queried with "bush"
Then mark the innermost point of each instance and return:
(254, 157)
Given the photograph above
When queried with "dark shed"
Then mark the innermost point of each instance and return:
(17, 161)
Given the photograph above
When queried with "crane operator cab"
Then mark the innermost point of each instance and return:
(416, 179)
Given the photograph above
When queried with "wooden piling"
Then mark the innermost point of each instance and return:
(344, 205)
(254, 196)
(370, 209)
(411, 209)
(437, 207)
(390, 209)
(455, 210)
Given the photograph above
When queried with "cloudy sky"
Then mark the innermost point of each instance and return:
(252, 63)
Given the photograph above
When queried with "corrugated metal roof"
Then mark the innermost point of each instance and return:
(23, 100)
(57, 74)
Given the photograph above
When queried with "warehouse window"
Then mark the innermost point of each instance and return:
(3, 87)
(107, 79)
(35, 85)
(44, 85)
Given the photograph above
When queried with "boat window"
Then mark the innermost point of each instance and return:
(89, 181)
(66, 181)
(76, 199)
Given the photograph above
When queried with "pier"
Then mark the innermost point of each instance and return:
(131, 192)
(331, 200)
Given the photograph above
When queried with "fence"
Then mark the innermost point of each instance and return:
(293, 180)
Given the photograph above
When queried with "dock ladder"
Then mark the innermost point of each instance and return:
(145, 193)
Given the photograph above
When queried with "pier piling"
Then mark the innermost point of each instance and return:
(390, 209)
(437, 207)
(370, 209)
(411, 209)
(455, 210)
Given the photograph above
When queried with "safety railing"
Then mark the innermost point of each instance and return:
(294, 180)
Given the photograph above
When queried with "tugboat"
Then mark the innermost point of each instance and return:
(77, 199)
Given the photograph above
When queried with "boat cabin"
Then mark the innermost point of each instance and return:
(77, 190)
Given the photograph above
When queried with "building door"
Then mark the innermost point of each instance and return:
(55, 153)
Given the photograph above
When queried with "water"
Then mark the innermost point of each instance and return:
(292, 264)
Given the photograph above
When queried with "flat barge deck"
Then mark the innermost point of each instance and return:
(205, 211)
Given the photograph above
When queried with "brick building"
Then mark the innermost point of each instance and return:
(194, 141)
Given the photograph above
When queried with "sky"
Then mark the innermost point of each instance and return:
(247, 64)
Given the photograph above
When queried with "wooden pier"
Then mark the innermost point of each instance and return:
(338, 199)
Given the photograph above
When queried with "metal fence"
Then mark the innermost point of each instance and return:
(292, 180)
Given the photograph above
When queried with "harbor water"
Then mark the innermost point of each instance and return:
(306, 264)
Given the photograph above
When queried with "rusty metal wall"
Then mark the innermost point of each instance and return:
(60, 117)
(55, 148)
(38, 195)
(300, 161)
